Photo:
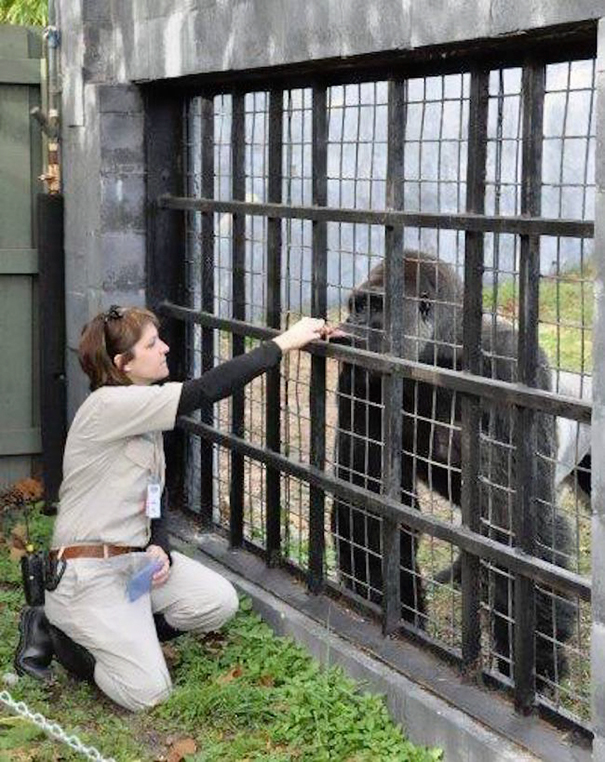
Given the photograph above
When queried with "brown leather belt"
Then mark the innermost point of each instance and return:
(92, 551)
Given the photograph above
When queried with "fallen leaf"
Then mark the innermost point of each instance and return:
(180, 749)
(230, 676)
(30, 489)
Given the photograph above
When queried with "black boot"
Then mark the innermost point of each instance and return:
(164, 630)
(35, 650)
(76, 659)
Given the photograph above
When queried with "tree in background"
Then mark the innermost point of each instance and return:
(27, 12)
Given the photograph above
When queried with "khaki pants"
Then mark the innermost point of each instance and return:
(91, 606)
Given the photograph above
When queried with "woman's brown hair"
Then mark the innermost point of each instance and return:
(111, 333)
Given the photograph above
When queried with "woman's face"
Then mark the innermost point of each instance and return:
(149, 361)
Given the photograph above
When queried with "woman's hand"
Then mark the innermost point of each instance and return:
(158, 554)
(305, 330)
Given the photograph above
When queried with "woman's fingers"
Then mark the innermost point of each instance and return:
(305, 330)
(159, 554)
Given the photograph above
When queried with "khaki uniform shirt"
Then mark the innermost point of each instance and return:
(114, 448)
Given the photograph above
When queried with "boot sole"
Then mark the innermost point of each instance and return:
(45, 673)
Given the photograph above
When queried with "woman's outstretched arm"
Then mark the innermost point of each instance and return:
(230, 376)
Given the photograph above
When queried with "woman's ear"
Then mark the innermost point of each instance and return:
(118, 361)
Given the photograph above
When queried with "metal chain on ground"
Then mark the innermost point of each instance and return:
(53, 729)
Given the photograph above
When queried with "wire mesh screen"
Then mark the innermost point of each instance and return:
(434, 123)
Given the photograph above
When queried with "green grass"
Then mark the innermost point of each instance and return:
(566, 315)
(242, 694)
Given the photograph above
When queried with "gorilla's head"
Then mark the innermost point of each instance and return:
(432, 322)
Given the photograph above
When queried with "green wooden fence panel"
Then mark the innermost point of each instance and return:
(20, 166)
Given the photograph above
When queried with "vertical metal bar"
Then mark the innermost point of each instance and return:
(393, 340)
(166, 233)
(51, 294)
(471, 359)
(317, 392)
(238, 283)
(273, 396)
(525, 430)
(207, 190)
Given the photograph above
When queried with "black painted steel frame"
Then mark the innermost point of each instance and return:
(525, 399)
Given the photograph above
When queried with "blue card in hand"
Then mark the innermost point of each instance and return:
(140, 582)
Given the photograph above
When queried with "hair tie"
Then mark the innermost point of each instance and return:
(115, 312)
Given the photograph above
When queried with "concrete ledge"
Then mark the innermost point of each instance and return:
(329, 631)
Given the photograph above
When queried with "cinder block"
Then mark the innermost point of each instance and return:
(122, 203)
(123, 258)
(77, 384)
(76, 316)
(121, 99)
(135, 298)
(122, 143)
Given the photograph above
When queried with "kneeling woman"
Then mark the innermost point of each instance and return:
(105, 531)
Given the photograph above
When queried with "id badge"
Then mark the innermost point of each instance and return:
(153, 503)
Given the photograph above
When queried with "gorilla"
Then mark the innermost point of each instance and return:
(431, 453)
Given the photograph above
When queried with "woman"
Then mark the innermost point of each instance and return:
(107, 527)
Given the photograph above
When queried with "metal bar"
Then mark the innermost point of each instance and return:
(393, 384)
(498, 392)
(53, 390)
(207, 277)
(470, 501)
(444, 221)
(319, 290)
(166, 275)
(513, 558)
(238, 284)
(524, 524)
(274, 306)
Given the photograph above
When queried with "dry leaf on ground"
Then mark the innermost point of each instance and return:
(180, 749)
(228, 677)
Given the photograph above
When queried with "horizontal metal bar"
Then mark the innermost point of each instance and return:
(513, 558)
(18, 262)
(20, 71)
(498, 392)
(20, 441)
(480, 223)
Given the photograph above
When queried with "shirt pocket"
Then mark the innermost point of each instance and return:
(141, 451)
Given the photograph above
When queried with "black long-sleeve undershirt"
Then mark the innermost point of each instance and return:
(214, 385)
(228, 377)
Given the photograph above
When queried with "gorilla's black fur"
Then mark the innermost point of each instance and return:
(433, 335)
